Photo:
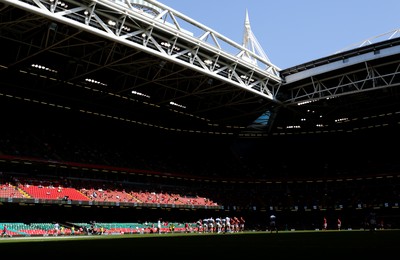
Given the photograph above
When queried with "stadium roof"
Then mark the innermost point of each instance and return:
(54, 65)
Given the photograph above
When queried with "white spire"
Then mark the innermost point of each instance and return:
(250, 43)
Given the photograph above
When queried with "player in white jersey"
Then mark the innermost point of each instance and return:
(218, 224)
(227, 224)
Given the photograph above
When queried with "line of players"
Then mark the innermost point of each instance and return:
(221, 225)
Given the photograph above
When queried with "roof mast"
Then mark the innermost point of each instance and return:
(251, 43)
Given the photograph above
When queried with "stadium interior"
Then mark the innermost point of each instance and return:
(88, 113)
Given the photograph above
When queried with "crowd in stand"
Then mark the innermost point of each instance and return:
(24, 187)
